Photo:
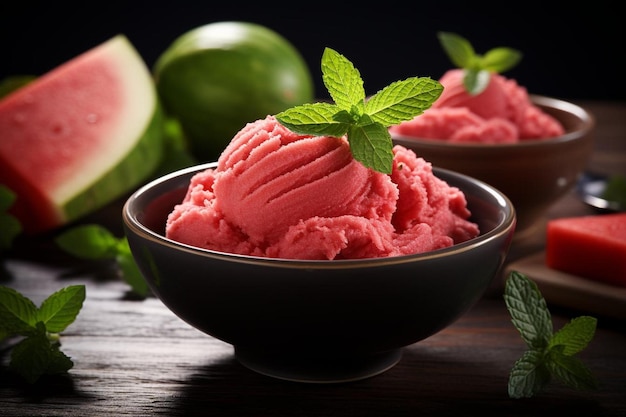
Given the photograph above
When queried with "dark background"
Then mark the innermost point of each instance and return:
(572, 52)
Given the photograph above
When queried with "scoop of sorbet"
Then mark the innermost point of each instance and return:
(275, 193)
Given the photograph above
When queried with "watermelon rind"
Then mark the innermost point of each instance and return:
(80, 136)
(218, 77)
(132, 170)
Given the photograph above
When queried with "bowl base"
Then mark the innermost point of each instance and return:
(325, 370)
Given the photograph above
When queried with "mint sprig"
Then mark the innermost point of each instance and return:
(549, 354)
(38, 352)
(365, 122)
(9, 224)
(95, 242)
(478, 68)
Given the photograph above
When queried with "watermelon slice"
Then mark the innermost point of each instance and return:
(80, 136)
(591, 246)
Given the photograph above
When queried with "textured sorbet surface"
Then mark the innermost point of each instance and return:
(278, 194)
(502, 113)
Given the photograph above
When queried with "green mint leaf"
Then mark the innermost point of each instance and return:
(31, 357)
(459, 50)
(316, 119)
(130, 271)
(478, 68)
(362, 122)
(371, 145)
(528, 309)
(9, 224)
(544, 360)
(575, 335)
(88, 242)
(18, 314)
(60, 309)
(615, 189)
(528, 376)
(570, 371)
(500, 59)
(97, 243)
(343, 80)
(38, 352)
(35, 356)
(476, 81)
(403, 100)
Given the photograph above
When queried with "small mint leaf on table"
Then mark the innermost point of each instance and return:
(38, 352)
(60, 309)
(549, 354)
(575, 335)
(528, 376)
(364, 122)
(478, 68)
(18, 314)
(88, 242)
(95, 242)
(528, 309)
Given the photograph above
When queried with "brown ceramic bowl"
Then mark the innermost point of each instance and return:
(317, 321)
(533, 174)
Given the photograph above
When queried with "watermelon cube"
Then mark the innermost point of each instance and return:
(592, 247)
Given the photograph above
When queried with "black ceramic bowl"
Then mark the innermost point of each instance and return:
(534, 174)
(317, 321)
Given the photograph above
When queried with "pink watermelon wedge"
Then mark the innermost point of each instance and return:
(80, 136)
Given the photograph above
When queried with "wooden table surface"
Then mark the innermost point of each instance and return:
(135, 357)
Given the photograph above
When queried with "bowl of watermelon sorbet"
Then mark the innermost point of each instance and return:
(316, 320)
(532, 148)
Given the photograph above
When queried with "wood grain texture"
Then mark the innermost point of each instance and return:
(136, 358)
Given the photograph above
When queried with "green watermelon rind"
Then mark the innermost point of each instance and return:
(137, 166)
(123, 166)
(240, 68)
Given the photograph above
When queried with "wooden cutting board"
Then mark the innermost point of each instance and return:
(571, 291)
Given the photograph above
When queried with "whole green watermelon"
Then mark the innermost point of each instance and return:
(218, 77)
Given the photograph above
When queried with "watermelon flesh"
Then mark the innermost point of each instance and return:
(591, 246)
(80, 136)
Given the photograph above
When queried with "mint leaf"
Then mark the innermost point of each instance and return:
(38, 352)
(615, 190)
(31, 356)
(571, 371)
(94, 242)
(60, 309)
(130, 271)
(342, 80)
(316, 119)
(459, 50)
(500, 59)
(88, 242)
(369, 144)
(550, 354)
(528, 376)
(528, 310)
(403, 100)
(575, 335)
(9, 224)
(18, 314)
(365, 123)
(478, 68)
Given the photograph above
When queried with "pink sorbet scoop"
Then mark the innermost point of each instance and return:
(276, 193)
